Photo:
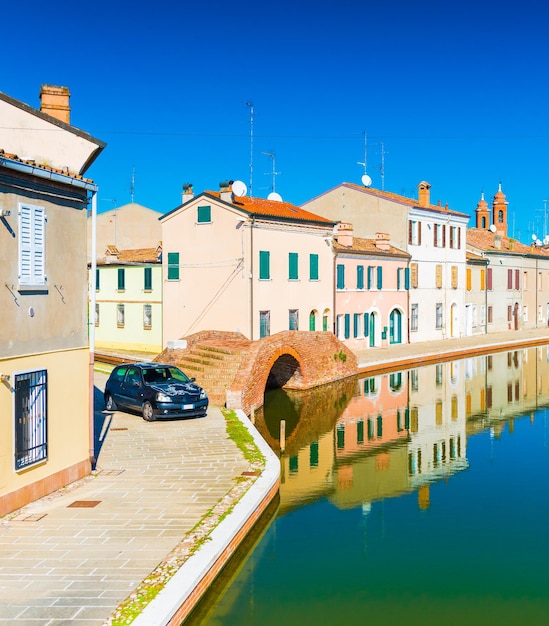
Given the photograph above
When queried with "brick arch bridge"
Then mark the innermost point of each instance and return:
(290, 359)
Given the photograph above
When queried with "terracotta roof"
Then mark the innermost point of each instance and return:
(64, 171)
(484, 240)
(137, 255)
(394, 197)
(474, 257)
(368, 246)
(273, 208)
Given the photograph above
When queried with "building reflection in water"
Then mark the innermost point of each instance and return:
(361, 440)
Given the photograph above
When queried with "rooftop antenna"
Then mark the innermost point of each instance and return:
(132, 185)
(273, 171)
(364, 163)
(252, 113)
(382, 168)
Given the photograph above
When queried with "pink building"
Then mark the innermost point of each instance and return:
(371, 295)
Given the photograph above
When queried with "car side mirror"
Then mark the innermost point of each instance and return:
(191, 380)
(136, 383)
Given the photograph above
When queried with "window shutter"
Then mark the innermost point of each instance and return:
(489, 278)
(379, 277)
(444, 235)
(482, 280)
(399, 270)
(370, 270)
(173, 265)
(147, 279)
(414, 275)
(435, 235)
(459, 238)
(121, 279)
(517, 279)
(454, 277)
(292, 266)
(468, 285)
(347, 325)
(366, 324)
(313, 266)
(356, 322)
(97, 280)
(360, 277)
(340, 276)
(264, 265)
(439, 276)
(419, 233)
(32, 245)
(407, 278)
(509, 279)
(410, 234)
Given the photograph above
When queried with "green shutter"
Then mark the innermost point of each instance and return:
(360, 431)
(360, 277)
(313, 454)
(121, 279)
(97, 281)
(398, 278)
(264, 265)
(313, 267)
(370, 269)
(379, 277)
(366, 324)
(356, 323)
(379, 426)
(173, 265)
(340, 276)
(347, 325)
(340, 430)
(148, 279)
(204, 214)
(292, 266)
(407, 278)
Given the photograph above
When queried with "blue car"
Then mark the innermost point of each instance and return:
(155, 390)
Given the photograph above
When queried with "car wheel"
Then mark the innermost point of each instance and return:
(147, 410)
(110, 404)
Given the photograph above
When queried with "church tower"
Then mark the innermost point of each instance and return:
(482, 213)
(499, 212)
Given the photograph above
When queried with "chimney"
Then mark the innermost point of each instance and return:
(497, 241)
(345, 234)
(54, 101)
(187, 193)
(383, 241)
(424, 193)
(226, 190)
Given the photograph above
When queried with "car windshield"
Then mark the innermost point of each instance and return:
(164, 374)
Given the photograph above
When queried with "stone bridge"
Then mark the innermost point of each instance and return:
(236, 371)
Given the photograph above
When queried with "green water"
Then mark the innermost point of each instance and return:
(419, 498)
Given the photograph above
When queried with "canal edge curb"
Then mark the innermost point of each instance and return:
(183, 591)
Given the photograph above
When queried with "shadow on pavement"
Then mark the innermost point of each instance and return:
(101, 423)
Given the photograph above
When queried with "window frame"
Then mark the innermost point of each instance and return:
(202, 212)
(31, 244)
(173, 266)
(30, 415)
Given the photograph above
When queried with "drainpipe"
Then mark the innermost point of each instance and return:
(91, 323)
(486, 298)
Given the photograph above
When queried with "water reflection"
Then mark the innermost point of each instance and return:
(362, 440)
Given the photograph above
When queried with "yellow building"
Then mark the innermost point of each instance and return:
(45, 418)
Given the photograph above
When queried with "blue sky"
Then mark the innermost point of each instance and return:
(457, 93)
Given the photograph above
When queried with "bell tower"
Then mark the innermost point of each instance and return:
(482, 213)
(499, 212)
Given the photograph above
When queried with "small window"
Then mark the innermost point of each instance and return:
(147, 316)
(173, 265)
(121, 279)
(439, 311)
(264, 265)
(204, 214)
(414, 317)
(120, 316)
(96, 314)
(293, 323)
(31, 418)
(147, 279)
(264, 323)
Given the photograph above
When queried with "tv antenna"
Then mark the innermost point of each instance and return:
(132, 185)
(273, 171)
(252, 113)
(364, 163)
(382, 168)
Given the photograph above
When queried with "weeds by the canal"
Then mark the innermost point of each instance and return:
(151, 586)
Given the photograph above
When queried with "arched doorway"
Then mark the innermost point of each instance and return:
(395, 326)
(312, 319)
(372, 332)
(325, 320)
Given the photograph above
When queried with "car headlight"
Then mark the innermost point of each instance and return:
(202, 394)
(162, 397)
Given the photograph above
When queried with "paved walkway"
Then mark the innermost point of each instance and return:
(65, 565)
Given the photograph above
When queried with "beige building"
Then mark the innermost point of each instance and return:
(127, 227)
(45, 416)
(245, 264)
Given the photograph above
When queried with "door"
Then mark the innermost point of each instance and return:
(372, 330)
(395, 326)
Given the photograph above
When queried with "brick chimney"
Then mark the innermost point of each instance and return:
(383, 241)
(497, 241)
(345, 234)
(424, 194)
(187, 193)
(54, 101)
(226, 190)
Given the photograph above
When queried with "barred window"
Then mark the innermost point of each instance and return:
(31, 419)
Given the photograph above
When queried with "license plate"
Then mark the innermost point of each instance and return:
(188, 406)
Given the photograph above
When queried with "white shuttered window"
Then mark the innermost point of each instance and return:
(32, 245)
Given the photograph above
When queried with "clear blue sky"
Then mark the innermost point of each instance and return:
(457, 92)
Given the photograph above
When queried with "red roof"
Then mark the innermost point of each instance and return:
(485, 240)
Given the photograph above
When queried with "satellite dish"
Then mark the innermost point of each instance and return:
(239, 188)
(492, 228)
(366, 180)
(274, 196)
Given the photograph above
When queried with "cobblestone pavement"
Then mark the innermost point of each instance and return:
(74, 565)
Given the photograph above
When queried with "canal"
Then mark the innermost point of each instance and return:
(416, 497)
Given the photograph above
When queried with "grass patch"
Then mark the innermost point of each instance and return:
(242, 437)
